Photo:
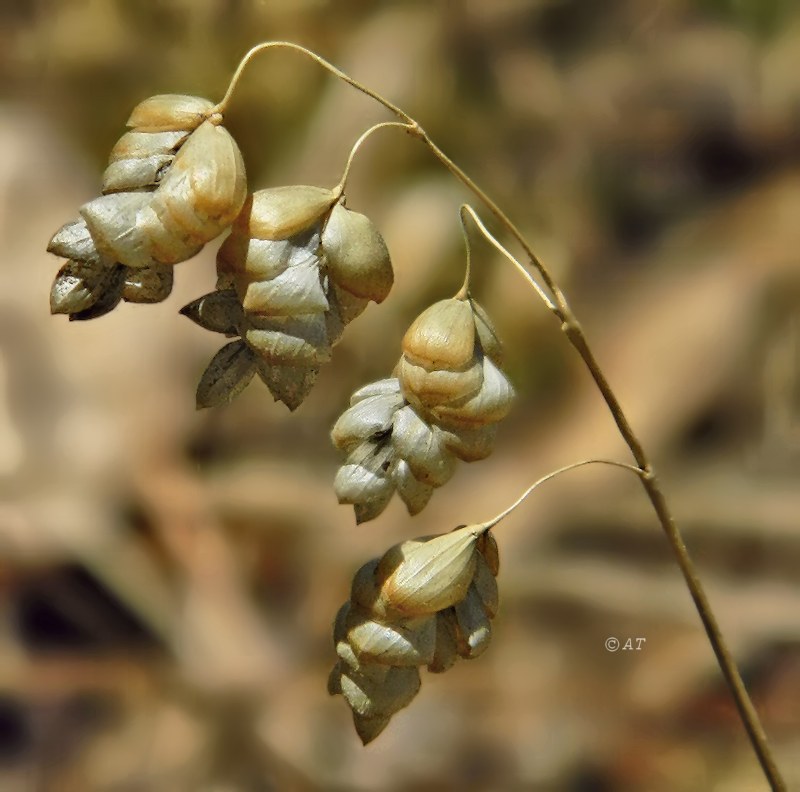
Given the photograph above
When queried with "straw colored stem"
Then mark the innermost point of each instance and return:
(576, 336)
(572, 329)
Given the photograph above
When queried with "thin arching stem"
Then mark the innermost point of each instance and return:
(574, 332)
(572, 329)
(485, 526)
(467, 209)
(222, 106)
(357, 145)
(463, 292)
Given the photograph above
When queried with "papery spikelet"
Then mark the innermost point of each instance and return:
(487, 545)
(487, 405)
(445, 654)
(408, 642)
(442, 336)
(426, 601)
(487, 335)
(301, 266)
(413, 492)
(365, 592)
(147, 284)
(485, 583)
(449, 371)
(228, 374)
(443, 405)
(175, 181)
(367, 419)
(78, 287)
(424, 577)
(358, 260)
(422, 447)
(169, 112)
(366, 480)
(283, 212)
(474, 627)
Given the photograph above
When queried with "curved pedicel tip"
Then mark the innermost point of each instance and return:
(486, 526)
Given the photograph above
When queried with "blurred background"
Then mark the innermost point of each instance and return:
(168, 578)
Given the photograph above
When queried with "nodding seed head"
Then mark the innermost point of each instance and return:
(427, 601)
(174, 182)
(301, 266)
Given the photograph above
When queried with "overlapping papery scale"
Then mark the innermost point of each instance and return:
(425, 602)
(405, 434)
(296, 268)
(174, 182)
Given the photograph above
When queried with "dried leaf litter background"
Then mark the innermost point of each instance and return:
(169, 577)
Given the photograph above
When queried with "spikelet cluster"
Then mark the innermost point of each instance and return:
(174, 182)
(407, 433)
(296, 268)
(425, 602)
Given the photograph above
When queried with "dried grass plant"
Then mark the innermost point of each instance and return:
(296, 268)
